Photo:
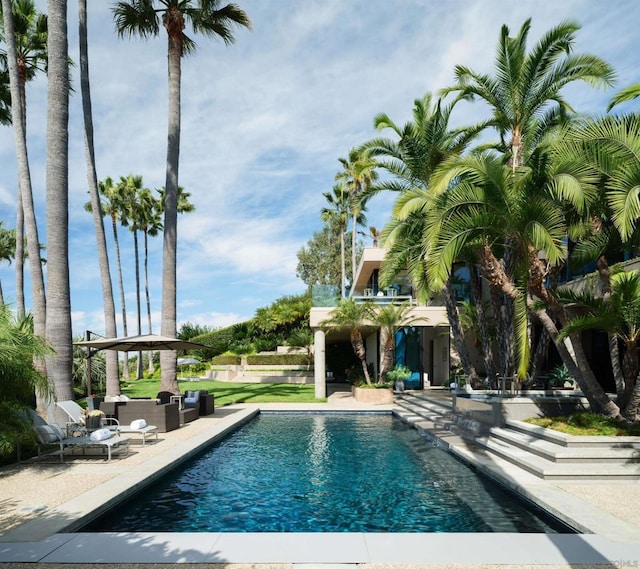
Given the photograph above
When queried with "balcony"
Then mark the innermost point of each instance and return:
(388, 295)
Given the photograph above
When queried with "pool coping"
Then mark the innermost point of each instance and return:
(47, 539)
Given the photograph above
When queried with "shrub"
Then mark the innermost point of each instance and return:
(398, 373)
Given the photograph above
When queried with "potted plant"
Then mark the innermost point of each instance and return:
(560, 378)
(93, 419)
(398, 375)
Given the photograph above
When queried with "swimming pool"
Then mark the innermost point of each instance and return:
(324, 473)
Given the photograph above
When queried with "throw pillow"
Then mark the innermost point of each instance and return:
(138, 424)
(100, 435)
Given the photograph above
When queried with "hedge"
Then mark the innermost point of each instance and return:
(279, 359)
(226, 360)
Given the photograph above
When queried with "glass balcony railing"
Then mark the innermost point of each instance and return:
(325, 295)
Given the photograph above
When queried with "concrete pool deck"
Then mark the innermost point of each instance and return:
(41, 503)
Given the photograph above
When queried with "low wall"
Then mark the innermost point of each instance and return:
(261, 374)
(492, 410)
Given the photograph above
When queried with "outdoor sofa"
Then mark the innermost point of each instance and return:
(165, 416)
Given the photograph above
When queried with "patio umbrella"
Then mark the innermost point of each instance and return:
(187, 361)
(140, 343)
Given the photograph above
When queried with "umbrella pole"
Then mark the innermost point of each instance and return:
(88, 370)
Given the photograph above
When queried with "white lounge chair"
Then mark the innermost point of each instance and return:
(52, 435)
(77, 420)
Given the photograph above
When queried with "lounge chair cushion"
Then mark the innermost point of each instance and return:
(50, 434)
(100, 435)
(112, 398)
(138, 424)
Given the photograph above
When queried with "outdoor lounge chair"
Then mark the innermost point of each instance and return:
(78, 421)
(52, 435)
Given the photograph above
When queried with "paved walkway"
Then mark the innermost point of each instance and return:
(41, 502)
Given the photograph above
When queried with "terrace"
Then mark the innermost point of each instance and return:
(611, 529)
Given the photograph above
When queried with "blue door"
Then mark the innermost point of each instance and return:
(409, 353)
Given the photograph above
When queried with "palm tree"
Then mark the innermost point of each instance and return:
(24, 181)
(618, 314)
(526, 101)
(110, 204)
(58, 324)
(411, 158)
(111, 356)
(338, 212)
(150, 223)
(19, 347)
(183, 203)
(375, 235)
(129, 189)
(7, 249)
(606, 152)
(143, 18)
(358, 175)
(418, 147)
(525, 91)
(30, 30)
(5, 98)
(485, 205)
(353, 315)
(390, 317)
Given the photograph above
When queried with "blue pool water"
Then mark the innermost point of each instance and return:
(324, 473)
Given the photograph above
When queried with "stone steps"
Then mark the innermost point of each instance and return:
(554, 452)
(585, 469)
(544, 453)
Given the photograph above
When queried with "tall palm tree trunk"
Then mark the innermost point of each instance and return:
(116, 242)
(19, 258)
(458, 334)
(579, 368)
(20, 303)
(614, 348)
(111, 356)
(358, 347)
(58, 322)
(343, 263)
(169, 381)
(139, 371)
(24, 183)
(354, 231)
(146, 292)
(483, 330)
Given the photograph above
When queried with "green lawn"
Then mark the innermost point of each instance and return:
(227, 393)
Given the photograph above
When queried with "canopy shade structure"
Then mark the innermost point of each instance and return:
(140, 343)
(187, 361)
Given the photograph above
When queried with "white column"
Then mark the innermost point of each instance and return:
(320, 367)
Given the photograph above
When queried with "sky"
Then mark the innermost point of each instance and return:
(264, 122)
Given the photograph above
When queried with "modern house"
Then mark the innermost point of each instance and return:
(423, 346)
